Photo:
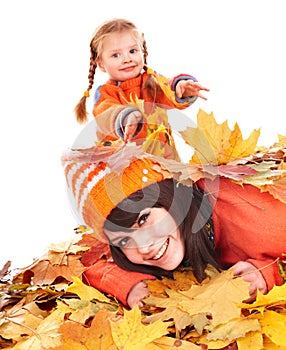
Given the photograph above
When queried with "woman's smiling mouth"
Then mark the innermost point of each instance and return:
(162, 251)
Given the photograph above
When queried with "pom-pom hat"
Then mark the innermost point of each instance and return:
(95, 188)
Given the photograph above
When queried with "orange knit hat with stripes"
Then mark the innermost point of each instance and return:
(95, 189)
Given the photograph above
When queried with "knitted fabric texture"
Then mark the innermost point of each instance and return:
(96, 189)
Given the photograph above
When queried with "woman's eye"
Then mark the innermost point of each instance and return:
(122, 243)
(142, 219)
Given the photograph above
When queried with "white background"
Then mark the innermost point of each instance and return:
(236, 48)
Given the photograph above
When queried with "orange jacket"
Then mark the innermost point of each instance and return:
(115, 100)
(248, 226)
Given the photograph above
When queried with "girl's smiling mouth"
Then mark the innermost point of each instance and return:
(162, 251)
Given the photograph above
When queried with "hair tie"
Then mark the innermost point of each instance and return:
(86, 93)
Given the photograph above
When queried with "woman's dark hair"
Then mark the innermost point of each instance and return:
(191, 210)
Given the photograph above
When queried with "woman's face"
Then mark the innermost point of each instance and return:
(154, 240)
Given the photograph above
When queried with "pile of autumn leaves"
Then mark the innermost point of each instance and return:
(47, 306)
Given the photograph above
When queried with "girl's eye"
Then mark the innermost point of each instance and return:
(142, 219)
(133, 51)
(123, 242)
(115, 55)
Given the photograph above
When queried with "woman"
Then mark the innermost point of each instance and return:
(154, 224)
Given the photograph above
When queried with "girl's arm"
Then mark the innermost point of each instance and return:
(111, 279)
(179, 92)
(115, 118)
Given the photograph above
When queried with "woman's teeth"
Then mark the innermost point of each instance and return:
(161, 251)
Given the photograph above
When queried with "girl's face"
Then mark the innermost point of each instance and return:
(154, 240)
(121, 56)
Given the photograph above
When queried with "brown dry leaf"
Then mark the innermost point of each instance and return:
(235, 172)
(131, 334)
(97, 251)
(216, 143)
(45, 273)
(277, 189)
(78, 337)
(184, 173)
(264, 174)
(5, 269)
(58, 252)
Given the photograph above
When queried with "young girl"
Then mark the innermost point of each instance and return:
(119, 50)
(154, 224)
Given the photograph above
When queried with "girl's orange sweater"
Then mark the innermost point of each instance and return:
(115, 100)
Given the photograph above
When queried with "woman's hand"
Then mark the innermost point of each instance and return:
(187, 88)
(138, 292)
(250, 273)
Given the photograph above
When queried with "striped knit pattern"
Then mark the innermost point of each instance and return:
(96, 190)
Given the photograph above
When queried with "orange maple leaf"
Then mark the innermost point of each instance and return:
(78, 337)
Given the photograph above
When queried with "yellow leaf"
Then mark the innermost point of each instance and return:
(215, 344)
(216, 143)
(277, 295)
(252, 340)
(86, 292)
(78, 310)
(21, 322)
(234, 329)
(46, 335)
(173, 311)
(282, 140)
(268, 345)
(167, 343)
(131, 334)
(208, 298)
(274, 326)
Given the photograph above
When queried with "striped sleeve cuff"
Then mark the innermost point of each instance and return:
(119, 121)
(189, 99)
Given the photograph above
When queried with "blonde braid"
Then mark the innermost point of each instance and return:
(151, 85)
(80, 108)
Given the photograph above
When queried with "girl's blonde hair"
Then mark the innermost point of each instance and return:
(111, 26)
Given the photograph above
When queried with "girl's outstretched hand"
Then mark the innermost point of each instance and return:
(187, 88)
(250, 273)
(137, 293)
(130, 125)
